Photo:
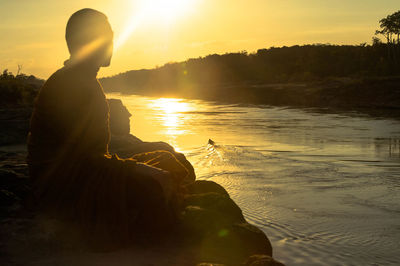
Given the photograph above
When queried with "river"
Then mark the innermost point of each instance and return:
(324, 187)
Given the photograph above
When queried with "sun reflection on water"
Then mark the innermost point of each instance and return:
(171, 112)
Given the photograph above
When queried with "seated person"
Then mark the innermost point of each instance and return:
(74, 176)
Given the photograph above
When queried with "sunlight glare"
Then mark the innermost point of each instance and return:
(163, 12)
(170, 112)
(171, 105)
(167, 10)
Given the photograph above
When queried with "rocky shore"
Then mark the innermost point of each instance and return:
(211, 231)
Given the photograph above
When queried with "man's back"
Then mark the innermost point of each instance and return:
(70, 118)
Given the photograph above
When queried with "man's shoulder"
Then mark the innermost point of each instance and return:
(56, 87)
(61, 81)
(58, 77)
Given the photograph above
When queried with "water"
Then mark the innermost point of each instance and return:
(325, 188)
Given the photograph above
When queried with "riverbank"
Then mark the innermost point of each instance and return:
(373, 96)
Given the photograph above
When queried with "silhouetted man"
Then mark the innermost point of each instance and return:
(73, 174)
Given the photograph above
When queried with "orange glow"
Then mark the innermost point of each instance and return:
(153, 32)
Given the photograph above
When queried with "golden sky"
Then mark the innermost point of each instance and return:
(161, 31)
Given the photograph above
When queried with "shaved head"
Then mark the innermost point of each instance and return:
(89, 33)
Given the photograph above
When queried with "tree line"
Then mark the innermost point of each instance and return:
(305, 63)
(18, 90)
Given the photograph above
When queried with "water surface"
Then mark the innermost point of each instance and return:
(324, 187)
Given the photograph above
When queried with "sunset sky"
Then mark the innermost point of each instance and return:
(156, 31)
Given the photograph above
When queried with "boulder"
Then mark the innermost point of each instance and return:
(14, 186)
(204, 186)
(234, 243)
(7, 198)
(214, 223)
(119, 117)
(224, 208)
(14, 125)
(262, 260)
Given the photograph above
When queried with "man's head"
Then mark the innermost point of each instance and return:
(90, 37)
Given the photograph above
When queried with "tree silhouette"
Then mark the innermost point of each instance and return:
(18, 90)
(390, 29)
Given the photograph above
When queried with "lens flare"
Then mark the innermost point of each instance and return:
(89, 49)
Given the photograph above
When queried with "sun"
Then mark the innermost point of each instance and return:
(159, 12)
(166, 11)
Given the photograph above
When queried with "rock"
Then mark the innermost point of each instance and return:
(197, 222)
(262, 260)
(14, 125)
(14, 187)
(128, 145)
(209, 264)
(204, 186)
(7, 198)
(207, 209)
(234, 243)
(214, 223)
(7, 176)
(219, 239)
(220, 204)
(119, 117)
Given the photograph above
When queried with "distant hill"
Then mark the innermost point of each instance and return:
(235, 73)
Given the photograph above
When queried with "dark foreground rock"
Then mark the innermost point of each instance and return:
(14, 124)
(215, 225)
(211, 229)
(262, 260)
